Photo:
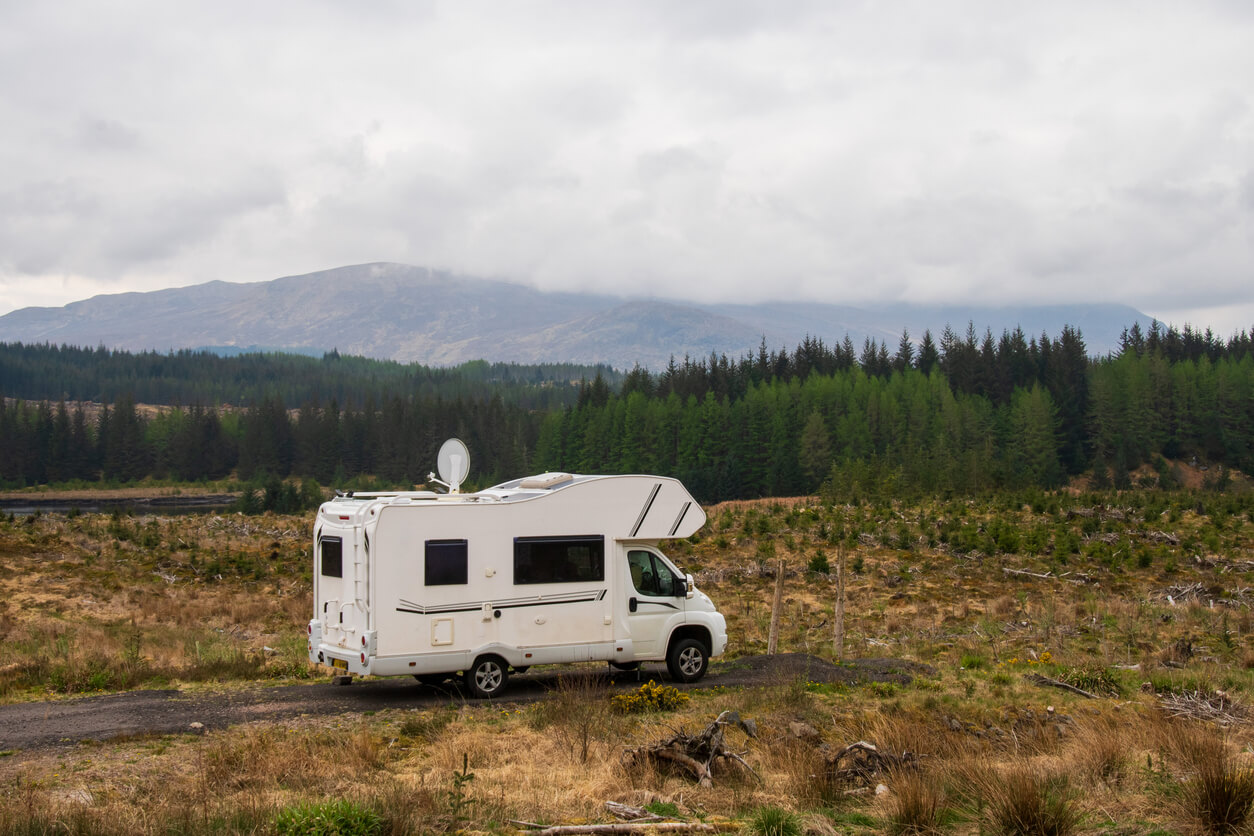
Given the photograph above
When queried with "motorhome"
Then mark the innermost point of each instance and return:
(552, 568)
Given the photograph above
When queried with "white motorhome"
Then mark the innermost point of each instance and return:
(548, 569)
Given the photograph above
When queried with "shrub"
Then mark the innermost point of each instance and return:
(650, 697)
(1095, 679)
(327, 818)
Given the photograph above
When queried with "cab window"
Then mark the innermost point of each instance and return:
(650, 575)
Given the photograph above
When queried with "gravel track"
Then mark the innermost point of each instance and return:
(65, 723)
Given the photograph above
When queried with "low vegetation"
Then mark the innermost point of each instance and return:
(1089, 668)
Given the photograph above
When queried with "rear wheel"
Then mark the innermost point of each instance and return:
(687, 660)
(486, 678)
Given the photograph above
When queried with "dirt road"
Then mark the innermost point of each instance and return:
(63, 723)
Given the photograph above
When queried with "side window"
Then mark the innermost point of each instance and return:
(332, 563)
(650, 575)
(559, 559)
(444, 562)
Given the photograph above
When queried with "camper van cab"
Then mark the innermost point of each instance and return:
(548, 569)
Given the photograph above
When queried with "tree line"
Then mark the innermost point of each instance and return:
(50, 372)
(962, 414)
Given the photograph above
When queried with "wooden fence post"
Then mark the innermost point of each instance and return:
(772, 640)
(838, 637)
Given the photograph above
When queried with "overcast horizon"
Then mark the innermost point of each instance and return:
(968, 152)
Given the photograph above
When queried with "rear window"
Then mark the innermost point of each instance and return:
(332, 564)
(444, 562)
(559, 559)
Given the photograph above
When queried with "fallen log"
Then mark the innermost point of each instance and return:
(626, 827)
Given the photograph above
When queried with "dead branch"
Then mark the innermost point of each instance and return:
(1043, 575)
(1215, 707)
(629, 813)
(865, 761)
(1045, 681)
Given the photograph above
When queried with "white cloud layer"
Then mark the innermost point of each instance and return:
(738, 151)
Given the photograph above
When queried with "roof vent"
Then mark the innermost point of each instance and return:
(545, 481)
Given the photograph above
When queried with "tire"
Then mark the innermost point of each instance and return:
(687, 660)
(625, 666)
(433, 679)
(486, 678)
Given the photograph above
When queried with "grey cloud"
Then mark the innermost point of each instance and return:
(97, 133)
(707, 149)
(1247, 190)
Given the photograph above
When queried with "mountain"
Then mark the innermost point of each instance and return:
(413, 314)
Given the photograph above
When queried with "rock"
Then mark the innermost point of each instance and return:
(198, 728)
(881, 789)
(804, 731)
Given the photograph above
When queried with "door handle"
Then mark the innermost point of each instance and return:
(631, 604)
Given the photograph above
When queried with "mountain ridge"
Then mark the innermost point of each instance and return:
(416, 314)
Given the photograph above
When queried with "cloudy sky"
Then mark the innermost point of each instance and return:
(838, 151)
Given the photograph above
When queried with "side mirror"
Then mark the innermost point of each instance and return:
(691, 585)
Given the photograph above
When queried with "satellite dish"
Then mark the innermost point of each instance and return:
(453, 463)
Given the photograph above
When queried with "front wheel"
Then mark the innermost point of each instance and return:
(486, 678)
(687, 660)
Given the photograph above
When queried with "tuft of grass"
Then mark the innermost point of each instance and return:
(328, 818)
(917, 806)
(1025, 800)
(1219, 797)
(773, 821)
(426, 725)
(1101, 752)
(663, 808)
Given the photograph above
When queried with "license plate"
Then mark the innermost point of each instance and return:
(342, 664)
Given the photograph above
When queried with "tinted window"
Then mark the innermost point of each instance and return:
(651, 576)
(332, 557)
(559, 559)
(444, 562)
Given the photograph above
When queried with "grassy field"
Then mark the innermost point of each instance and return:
(1140, 599)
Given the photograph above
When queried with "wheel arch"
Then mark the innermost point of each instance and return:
(691, 631)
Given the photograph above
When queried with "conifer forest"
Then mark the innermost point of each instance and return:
(960, 414)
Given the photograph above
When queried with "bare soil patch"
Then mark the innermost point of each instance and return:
(783, 667)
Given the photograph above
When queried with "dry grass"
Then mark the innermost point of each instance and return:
(918, 806)
(100, 602)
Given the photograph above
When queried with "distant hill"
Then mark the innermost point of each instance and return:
(414, 314)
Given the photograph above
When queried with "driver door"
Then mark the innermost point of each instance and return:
(655, 595)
